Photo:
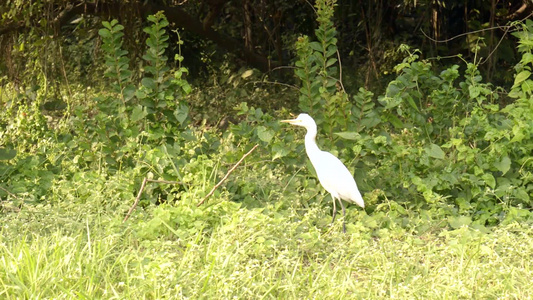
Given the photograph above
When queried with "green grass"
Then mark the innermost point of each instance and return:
(84, 251)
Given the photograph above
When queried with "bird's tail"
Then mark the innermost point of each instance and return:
(358, 199)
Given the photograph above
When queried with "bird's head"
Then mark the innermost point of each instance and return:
(303, 120)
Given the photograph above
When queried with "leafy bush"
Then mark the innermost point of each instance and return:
(469, 163)
(104, 134)
(437, 151)
(434, 141)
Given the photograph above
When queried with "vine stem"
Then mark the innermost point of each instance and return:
(226, 176)
(143, 185)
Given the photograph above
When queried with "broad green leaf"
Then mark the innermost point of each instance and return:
(394, 120)
(370, 121)
(370, 222)
(265, 134)
(104, 33)
(474, 91)
(521, 77)
(116, 38)
(300, 73)
(149, 83)
(331, 32)
(527, 58)
(279, 151)
(181, 113)
(316, 46)
(435, 151)
(186, 87)
(140, 93)
(331, 50)
(458, 222)
(331, 82)
(521, 194)
(138, 113)
(518, 132)
(489, 180)
(7, 153)
(392, 89)
(247, 74)
(527, 86)
(349, 135)
(412, 102)
(380, 140)
(331, 61)
(503, 165)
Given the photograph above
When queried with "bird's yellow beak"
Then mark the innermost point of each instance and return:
(293, 121)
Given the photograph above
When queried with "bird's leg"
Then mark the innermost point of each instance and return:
(334, 210)
(343, 217)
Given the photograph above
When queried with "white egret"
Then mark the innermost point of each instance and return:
(332, 173)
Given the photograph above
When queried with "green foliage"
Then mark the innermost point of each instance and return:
(156, 81)
(472, 155)
(104, 134)
(116, 59)
(310, 99)
(523, 84)
(226, 88)
(364, 111)
(443, 164)
(155, 105)
(317, 69)
(322, 94)
(159, 93)
(23, 122)
(443, 136)
(325, 49)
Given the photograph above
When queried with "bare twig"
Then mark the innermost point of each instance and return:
(12, 195)
(9, 193)
(506, 28)
(66, 77)
(143, 185)
(311, 5)
(495, 48)
(226, 176)
(274, 83)
(340, 71)
(462, 34)
(281, 68)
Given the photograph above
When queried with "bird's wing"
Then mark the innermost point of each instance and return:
(336, 178)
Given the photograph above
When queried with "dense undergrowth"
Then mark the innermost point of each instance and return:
(444, 161)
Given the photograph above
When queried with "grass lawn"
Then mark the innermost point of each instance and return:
(85, 252)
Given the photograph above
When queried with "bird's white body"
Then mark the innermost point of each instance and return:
(331, 172)
(335, 178)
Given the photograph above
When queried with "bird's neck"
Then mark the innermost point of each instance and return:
(310, 142)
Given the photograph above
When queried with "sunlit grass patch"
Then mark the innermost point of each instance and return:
(254, 253)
